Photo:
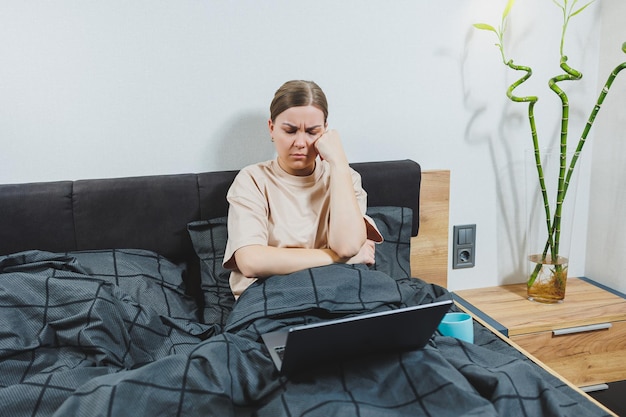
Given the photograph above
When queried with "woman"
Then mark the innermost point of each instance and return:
(297, 211)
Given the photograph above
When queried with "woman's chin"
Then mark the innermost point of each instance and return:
(301, 167)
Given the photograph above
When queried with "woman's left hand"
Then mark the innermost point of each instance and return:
(329, 147)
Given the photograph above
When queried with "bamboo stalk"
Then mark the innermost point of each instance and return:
(570, 75)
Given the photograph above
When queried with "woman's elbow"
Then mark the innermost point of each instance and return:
(348, 245)
(247, 262)
(347, 250)
(247, 271)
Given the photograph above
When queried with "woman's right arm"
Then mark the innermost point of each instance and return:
(263, 261)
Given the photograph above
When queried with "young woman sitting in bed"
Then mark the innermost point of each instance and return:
(306, 208)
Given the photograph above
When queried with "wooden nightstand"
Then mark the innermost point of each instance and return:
(583, 339)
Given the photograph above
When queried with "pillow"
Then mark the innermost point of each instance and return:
(393, 256)
(150, 279)
(209, 242)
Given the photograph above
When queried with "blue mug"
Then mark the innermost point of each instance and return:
(458, 325)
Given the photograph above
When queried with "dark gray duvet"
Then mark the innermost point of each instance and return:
(82, 337)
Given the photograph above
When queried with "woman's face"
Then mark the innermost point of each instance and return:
(294, 133)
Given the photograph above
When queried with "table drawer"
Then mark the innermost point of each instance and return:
(583, 357)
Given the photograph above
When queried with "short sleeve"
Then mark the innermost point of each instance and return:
(247, 216)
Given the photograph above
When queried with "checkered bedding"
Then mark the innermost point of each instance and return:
(113, 334)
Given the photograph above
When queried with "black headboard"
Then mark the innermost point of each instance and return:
(151, 212)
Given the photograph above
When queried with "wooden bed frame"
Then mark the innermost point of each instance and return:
(429, 249)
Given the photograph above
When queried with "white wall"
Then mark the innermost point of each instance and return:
(606, 243)
(114, 88)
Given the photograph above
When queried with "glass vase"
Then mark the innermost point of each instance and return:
(547, 264)
(551, 278)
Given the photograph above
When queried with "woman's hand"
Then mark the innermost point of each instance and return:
(367, 254)
(330, 149)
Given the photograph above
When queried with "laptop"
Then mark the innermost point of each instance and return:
(318, 344)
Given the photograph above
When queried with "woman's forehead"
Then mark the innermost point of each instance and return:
(307, 115)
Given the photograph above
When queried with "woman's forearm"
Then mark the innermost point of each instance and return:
(346, 230)
(257, 261)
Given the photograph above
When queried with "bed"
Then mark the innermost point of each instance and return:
(113, 302)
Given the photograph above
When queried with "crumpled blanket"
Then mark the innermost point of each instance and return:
(75, 345)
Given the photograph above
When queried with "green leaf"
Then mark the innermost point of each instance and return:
(485, 26)
(559, 5)
(581, 9)
(507, 9)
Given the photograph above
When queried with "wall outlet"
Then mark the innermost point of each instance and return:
(464, 246)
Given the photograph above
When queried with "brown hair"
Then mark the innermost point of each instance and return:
(298, 93)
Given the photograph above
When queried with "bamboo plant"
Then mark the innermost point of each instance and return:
(552, 215)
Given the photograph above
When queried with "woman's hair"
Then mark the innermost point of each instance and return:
(298, 93)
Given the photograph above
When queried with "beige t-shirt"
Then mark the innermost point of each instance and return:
(270, 207)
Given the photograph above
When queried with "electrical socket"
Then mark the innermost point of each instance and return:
(464, 246)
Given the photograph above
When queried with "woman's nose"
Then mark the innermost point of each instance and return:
(301, 140)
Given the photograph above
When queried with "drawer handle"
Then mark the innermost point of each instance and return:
(594, 388)
(581, 329)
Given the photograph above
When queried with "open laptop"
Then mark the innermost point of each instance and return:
(317, 344)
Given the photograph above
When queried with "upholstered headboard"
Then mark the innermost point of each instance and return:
(152, 212)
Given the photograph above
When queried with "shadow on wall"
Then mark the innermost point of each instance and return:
(487, 127)
(243, 140)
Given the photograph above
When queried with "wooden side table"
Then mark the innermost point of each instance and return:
(583, 338)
